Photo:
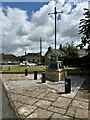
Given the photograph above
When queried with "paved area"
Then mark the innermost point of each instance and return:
(0, 100)
(58, 87)
(31, 99)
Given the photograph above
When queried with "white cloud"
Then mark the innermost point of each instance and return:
(20, 32)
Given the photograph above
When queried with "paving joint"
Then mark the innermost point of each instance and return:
(49, 102)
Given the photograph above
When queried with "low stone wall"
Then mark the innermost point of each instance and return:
(21, 72)
(78, 72)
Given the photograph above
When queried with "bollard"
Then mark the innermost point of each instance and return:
(81, 72)
(43, 78)
(35, 75)
(8, 67)
(26, 72)
(67, 85)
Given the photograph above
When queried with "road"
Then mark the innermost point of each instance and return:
(6, 111)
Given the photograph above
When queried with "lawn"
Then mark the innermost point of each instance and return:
(73, 68)
(34, 68)
(22, 69)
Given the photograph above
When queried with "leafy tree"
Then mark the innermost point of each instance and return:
(71, 51)
(84, 27)
(72, 54)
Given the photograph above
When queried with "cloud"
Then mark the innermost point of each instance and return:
(20, 33)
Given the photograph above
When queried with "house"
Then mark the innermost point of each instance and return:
(83, 52)
(33, 57)
(30, 57)
(84, 57)
(8, 58)
(51, 52)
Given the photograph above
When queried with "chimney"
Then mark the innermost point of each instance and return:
(49, 48)
(60, 46)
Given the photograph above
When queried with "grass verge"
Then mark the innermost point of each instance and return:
(22, 69)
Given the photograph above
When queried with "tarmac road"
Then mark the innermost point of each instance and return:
(7, 111)
(0, 100)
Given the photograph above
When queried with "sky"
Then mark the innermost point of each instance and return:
(24, 23)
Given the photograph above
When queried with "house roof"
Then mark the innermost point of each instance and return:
(8, 56)
(52, 51)
(33, 54)
(83, 52)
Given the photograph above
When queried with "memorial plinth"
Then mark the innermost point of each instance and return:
(56, 71)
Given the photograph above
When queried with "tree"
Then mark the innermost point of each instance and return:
(72, 54)
(84, 27)
(71, 51)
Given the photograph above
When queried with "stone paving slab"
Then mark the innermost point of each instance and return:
(25, 110)
(81, 95)
(71, 111)
(17, 104)
(43, 104)
(80, 104)
(51, 96)
(29, 100)
(62, 102)
(57, 109)
(37, 100)
(81, 113)
(43, 94)
(59, 116)
(41, 113)
(14, 97)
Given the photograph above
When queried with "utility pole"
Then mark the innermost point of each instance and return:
(55, 12)
(89, 5)
(40, 48)
(25, 53)
(25, 59)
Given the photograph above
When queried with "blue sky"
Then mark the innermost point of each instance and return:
(27, 6)
(22, 28)
(32, 6)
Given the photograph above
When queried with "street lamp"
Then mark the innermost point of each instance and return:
(25, 59)
(26, 71)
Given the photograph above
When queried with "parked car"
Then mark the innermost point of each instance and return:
(12, 63)
(32, 64)
(2, 63)
(39, 63)
(26, 63)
